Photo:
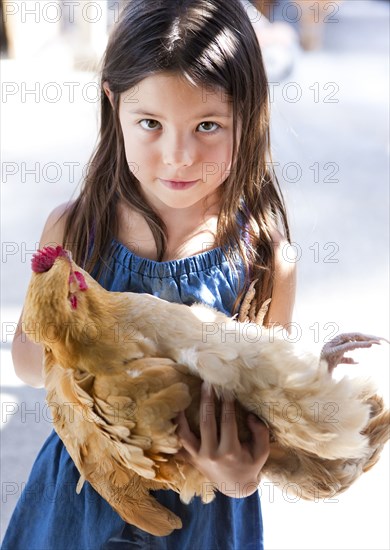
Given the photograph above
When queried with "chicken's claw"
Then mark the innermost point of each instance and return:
(333, 351)
(248, 312)
(244, 315)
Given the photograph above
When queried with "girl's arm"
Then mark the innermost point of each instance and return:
(27, 356)
(234, 467)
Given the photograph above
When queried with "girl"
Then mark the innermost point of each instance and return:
(178, 202)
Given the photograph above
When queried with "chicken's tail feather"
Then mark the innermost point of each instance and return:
(377, 430)
(313, 477)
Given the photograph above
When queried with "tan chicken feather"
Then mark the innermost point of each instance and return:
(119, 367)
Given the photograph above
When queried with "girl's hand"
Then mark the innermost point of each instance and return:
(231, 466)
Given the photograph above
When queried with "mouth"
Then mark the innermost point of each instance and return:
(178, 185)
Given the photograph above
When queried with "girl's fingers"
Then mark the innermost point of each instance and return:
(260, 446)
(207, 421)
(229, 432)
(189, 441)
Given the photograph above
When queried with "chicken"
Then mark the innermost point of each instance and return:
(119, 367)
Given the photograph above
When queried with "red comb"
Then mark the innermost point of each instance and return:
(43, 259)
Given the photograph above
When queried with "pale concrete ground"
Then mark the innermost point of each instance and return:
(343, 280)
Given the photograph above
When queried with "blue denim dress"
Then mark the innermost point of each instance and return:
(51, 516)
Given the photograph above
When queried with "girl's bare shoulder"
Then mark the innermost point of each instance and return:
(283, 262)
(53, 231)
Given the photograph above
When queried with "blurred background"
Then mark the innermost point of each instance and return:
(328, 67)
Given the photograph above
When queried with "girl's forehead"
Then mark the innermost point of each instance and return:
(165, 85)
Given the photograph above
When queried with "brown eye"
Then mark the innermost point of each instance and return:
(148, 121)
(209, 130)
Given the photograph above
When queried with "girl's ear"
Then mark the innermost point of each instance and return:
(108, 93)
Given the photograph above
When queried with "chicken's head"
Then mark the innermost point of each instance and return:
(53, 296)
(81, 325)
(44, 260)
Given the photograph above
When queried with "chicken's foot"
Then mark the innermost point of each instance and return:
(334, 350)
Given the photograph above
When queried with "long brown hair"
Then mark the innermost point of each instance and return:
(210, 43)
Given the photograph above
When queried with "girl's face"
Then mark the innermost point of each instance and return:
(173, 131)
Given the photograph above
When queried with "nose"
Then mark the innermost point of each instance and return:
(178, 150)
